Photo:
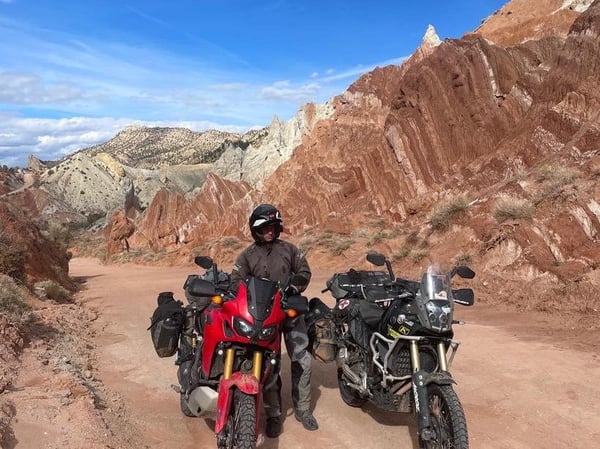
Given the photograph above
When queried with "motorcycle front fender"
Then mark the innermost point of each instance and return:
(439, 378)
(244, 382)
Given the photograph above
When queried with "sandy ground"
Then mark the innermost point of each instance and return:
(524, 381)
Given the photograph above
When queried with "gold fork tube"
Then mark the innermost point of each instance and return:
(441, 348)
(257, 364)
(414, 356)
(228, 365)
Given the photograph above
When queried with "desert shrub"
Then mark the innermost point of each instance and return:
(400, 253)
(557, 174)
(13, 300)
(306, 244)
(443, 214)
(553, 178)
(416, 255)
(510, 208)
(334, 243)
(231, 242)
(360, 234)
(324, 236)
(60, 233)
(201, 250)
(51, 290)
(463, 259)
(12, 257)
(339, 246)
(412, 239)
(381, 235)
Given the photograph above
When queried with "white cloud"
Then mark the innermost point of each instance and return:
(229, 86)
(55, 74)
(285, 91)
(26, 88)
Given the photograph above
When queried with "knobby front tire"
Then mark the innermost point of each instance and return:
(240, 430)
(448, 420)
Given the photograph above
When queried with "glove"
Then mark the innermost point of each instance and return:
(292, 290)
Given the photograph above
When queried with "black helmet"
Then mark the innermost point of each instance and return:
(264, 215)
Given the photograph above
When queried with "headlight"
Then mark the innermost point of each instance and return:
(243, 328)
(439, 314)
(266, 333)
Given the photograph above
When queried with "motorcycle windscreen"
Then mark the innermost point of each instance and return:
(260, 297)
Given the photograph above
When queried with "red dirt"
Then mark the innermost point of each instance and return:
(524, 381)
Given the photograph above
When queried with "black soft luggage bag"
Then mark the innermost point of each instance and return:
(166, 324)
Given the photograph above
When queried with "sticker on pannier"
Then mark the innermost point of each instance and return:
(166, 324)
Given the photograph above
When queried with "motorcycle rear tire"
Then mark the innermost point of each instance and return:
(349, 396)
(240, 430)
(448, 420)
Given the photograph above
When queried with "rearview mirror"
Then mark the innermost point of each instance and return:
(203, 261)
(463, 271)
(376, 259)
(464, 296)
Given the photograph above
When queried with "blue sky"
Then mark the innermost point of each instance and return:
(74, 73)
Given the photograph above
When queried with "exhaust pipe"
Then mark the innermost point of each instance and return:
(202, 401)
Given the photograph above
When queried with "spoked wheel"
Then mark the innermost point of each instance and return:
(240, 431)
(349, 395)
(447, 420)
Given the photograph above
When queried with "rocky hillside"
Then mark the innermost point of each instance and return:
(151, 148)
(128, 171)
(473, 150)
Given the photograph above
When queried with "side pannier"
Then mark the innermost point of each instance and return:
(166, 324)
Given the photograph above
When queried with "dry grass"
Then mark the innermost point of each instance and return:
(12, 257)
(444, 213)
(51, 290)
(553, 179)
(334, 243)
(231, 242)
(510, 208)
(13, 301)
(557, 174)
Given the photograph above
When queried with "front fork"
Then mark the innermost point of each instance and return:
(257, 359)
(420, 380)
(248, 383)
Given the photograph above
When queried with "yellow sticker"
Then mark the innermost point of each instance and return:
(392, 333)
(404, 330)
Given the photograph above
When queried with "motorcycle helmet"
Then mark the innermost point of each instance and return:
(264, 215)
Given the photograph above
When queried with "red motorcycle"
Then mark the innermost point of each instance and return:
(236, 345)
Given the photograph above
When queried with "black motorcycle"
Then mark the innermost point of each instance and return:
(392, 341)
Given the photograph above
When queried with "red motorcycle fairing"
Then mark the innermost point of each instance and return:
(244, 382)
(219, 326)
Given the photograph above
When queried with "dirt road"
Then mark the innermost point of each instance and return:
(521, 388)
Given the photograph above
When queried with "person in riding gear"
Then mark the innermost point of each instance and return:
(276, 259)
